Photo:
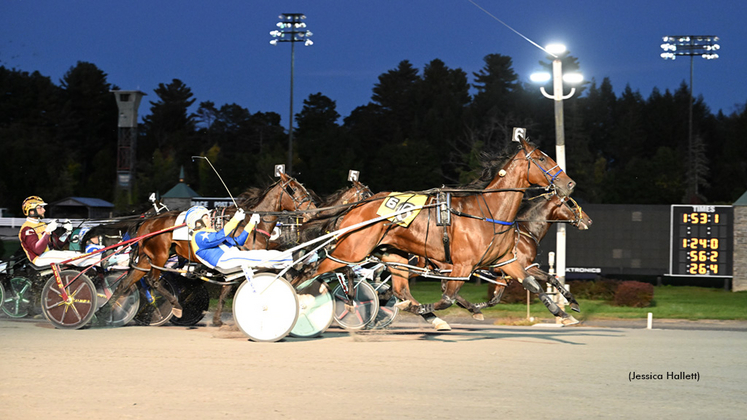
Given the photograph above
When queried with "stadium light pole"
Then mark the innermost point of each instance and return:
(292, 29)
(691, 46)
(558, 78)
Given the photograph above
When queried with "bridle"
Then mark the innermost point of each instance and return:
(287, 188)
(575, 208)
(362, 192)
(547, 173)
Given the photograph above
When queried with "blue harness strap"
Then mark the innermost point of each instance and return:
(499, 222)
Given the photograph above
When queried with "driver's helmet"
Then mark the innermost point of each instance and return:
(30, 204)
(194, 214)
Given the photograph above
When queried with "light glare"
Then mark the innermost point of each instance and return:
(555, 48)
(573, 78)
(540, 77)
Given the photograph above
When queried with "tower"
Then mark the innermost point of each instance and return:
(128, 102)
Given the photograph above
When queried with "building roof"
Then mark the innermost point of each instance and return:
(83, 201)
(180, 190)
(741, 201)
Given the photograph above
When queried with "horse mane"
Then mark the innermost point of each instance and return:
(492, 163)
(252, 196)
(531, 205)
(115, 229)
(327, 201)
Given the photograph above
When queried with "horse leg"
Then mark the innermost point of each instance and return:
(158, 285)
(224, 292)
(462, 302)
(562, 290)
(530, 283)
(133, 276)
(495, 293)
(473, 308)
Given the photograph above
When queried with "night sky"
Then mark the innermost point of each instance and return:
(221, 50)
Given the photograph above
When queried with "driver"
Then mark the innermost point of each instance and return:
(217, 249)
(38, 240)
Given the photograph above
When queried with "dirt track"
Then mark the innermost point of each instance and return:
(410, 372)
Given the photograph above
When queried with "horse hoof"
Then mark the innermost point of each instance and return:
(570, 320)
(575, 307)
(479, 317)
(177, 312)
(403, 306)
(441, 325)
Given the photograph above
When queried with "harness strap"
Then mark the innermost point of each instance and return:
(447, 248)
(486, 219)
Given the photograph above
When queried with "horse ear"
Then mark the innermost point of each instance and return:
(524, 143)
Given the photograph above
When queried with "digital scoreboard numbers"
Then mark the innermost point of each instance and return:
(702, 241)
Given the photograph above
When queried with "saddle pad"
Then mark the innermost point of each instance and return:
(181, 234)
(400, 203)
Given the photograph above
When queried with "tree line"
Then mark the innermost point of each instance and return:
(420, 129)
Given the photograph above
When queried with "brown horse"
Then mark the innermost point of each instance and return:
(342, 197)
(478, 236)
(534, 221)
(153, 252)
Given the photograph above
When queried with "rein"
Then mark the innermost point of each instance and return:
(484, 219)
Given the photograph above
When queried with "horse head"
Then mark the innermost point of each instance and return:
(570, 210)
(362, 191)
(544, 171)
(293, 196)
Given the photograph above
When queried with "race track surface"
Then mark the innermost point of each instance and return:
(476, 371)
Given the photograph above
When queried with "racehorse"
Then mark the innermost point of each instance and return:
(341, 197)
(477, 236)
(153, 252)
(534, 222)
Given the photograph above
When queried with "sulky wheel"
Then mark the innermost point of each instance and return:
(195, 300)
(361, 311)
(2, 293)
(155, 309)
(316, 310)
(75, 311)
(124, 309)
(265, 307)
(18, 297)
(387, 310)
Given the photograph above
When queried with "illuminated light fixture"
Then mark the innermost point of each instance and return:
(556, 49)
(573, 78)
(558, 78)
(704, 46)
(689, 45)
(540, 77)
(291, 26)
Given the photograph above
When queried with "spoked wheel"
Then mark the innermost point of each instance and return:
(155, 309)
(387, 310)
(265, 308)
(195, 300)
(123, 310)
(18, 299)
(316, 310)
(362, 310)
(75, 311)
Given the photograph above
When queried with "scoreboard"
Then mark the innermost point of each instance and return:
(702, 241)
